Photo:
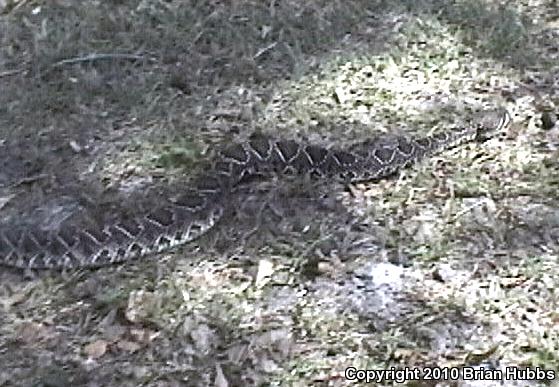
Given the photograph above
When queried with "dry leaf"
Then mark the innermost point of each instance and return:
(30, 332)
(265, 270)
(220, 380)
(144, 335)
(128, 346)
(96, 349)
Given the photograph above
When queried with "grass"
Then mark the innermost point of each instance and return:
(471, 234)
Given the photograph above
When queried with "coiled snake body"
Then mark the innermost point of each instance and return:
(106, 240)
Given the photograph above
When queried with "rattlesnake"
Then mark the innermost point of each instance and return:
(103, 239)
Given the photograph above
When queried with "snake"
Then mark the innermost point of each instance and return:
(105, 236)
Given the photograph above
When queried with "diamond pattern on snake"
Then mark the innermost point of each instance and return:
(104, 239)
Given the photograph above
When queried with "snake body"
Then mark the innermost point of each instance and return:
(107, 238)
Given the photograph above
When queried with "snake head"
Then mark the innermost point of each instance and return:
(491, 122)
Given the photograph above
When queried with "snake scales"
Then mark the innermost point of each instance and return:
(104, 240)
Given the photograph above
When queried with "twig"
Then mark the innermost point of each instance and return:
(94, 57)
(264, 50)
(13, 6)
(31, 179)
(10, 72)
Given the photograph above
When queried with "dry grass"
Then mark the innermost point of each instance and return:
(453, 263)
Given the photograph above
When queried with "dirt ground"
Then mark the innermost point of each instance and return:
(448, 266)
